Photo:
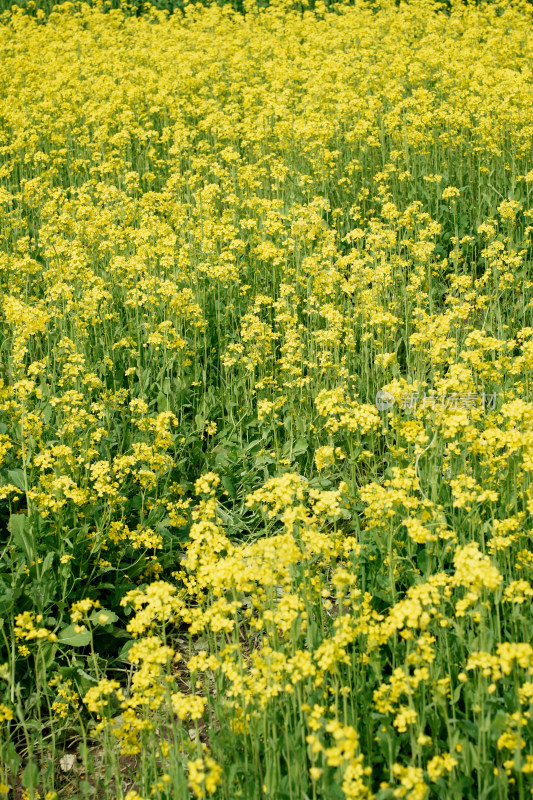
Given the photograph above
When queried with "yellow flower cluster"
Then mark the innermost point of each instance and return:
(266, 424)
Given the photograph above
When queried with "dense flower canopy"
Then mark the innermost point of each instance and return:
(266, 440)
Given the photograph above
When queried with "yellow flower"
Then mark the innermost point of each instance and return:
(450, 193)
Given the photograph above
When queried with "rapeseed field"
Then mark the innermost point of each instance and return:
(266, 413)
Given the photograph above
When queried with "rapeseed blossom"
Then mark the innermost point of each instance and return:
(266, 324)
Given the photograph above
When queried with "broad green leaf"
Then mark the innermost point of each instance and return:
(103, 617)
(19, 526)
(16, 477)
(69, 636)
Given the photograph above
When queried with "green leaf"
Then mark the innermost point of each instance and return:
(162, 402)
(228, 485)
(299, 447)
(16, 477)
(12, 758)
(47, 563)
(69, 636)
(124, 650)
(86, 675)
(19, 527)
(30, 776)
(95, 617)
(48, 653)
